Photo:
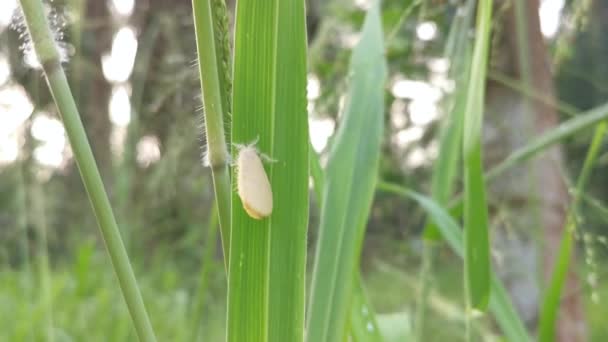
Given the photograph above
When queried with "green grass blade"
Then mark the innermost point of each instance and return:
(552, 137)
(499, 303)
(552, 298)
(445, 169)
(477, 246)
(46, 51)
(267, 257)
(213, 85)
(350, 180)
(363, 324)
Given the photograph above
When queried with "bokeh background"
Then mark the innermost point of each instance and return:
(131, 66)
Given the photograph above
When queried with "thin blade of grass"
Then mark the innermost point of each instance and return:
(445, 169)
(500, 304)
(363, 324)
(214, 88)
(552, 137)
(350, 180)
(552, 298)
(267, 257)
(477, 245)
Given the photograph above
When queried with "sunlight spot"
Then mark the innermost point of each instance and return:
(440, 81)
(9, 149)
(50, 133)
(7, 8)
(310, 107)
(313, 87)
(363, 4)
(120, 106)
(398, 114)
(148, 150)
(550, 13)
(426, 31)
(48, 155)
(416, 158)
(476, 313)
(118, 65)
(432, 149)
(415, 90)
(123, 7)
(15, 108)
(118, 136)
(5, 70)
(439, 65)
(48, 130)
(350, 39)
(407, 136)
(321, 130)
(423, 112)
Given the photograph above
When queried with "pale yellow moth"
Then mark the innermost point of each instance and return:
(252, 183)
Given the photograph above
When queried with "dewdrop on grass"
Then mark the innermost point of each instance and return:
(252, 183)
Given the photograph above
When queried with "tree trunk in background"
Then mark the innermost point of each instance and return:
(532, 195)
(91, 92)
(97, 41)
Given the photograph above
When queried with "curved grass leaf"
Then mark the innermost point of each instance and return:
(269, 105)
(499, 302)
(552, 137)
(552, 298)
(349, 185)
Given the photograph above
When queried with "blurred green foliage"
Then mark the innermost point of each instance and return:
(167, 207)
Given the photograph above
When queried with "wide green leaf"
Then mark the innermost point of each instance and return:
(269, 106)
(349, 187)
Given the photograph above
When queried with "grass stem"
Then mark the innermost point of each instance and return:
(48, 55)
